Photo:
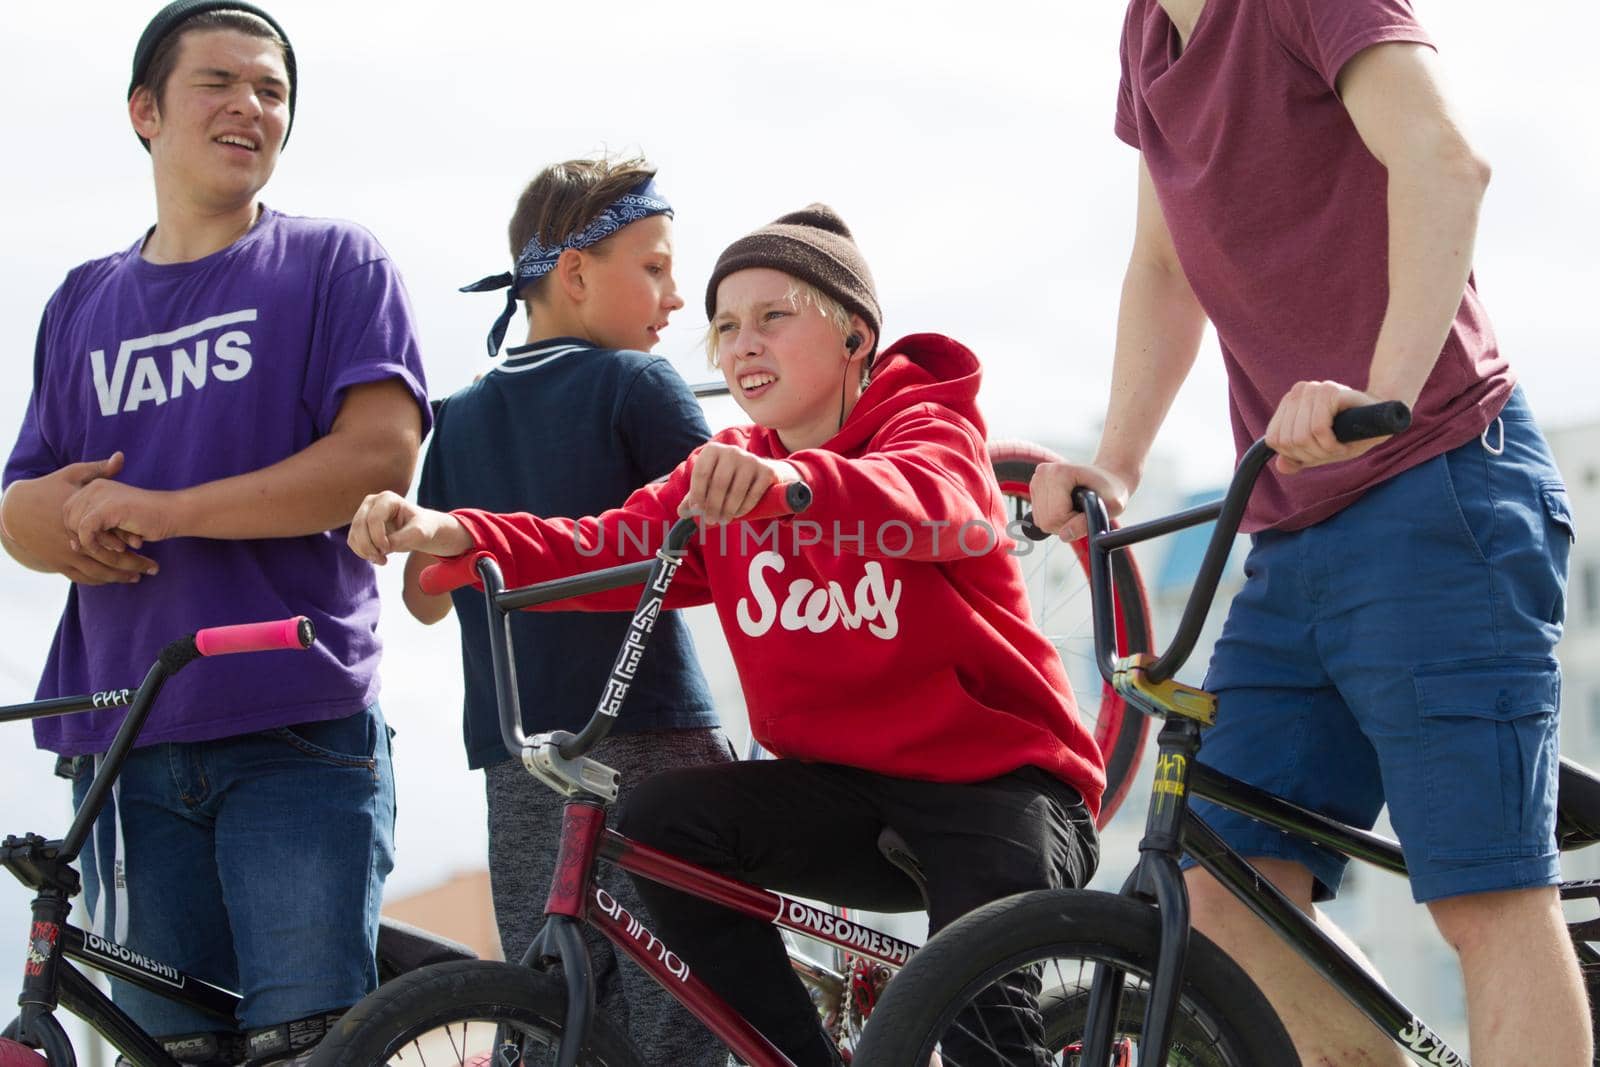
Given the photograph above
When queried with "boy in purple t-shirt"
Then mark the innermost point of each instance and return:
(1304, 186)
(207, 405)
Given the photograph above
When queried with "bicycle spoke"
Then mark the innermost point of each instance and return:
(989, 1029)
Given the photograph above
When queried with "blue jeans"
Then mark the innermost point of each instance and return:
(1402, 651)
(254, 862)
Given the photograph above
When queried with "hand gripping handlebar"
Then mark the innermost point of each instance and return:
(1352, 424)
(783, 498)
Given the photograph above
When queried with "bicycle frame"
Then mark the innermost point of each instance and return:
(74, 992)
(576, 898)
(1386, 1011)
(49, 980)
(1172, 828)
(558, 760)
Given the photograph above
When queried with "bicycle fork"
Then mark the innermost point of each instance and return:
(37, 1025)
(561, 940)
(1156, 879)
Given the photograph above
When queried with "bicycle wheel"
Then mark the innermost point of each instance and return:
(474, 1012)
(960, 993)
(1057, 576)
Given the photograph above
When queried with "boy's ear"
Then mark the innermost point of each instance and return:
(869, 340)
(143, 113)
(569, 275)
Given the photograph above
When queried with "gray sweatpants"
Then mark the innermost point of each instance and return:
(524, 831)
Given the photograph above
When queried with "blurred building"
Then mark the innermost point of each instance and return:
(459, 908)
(1577, 450)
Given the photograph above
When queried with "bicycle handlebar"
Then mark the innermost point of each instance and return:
(1352, 424)
(1383, 419)
(780, 499)
(295, 633)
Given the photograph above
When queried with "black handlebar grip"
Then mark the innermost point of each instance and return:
(797, 496)
(1371, 420)
(780, 499)
(1033, 532)
(1029, 530)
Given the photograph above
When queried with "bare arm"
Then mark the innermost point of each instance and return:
(32, 533)
(1436, 184)
(1159, 325)
(372, 446)
(424, 608)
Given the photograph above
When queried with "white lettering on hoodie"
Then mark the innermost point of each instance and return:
(813, 608)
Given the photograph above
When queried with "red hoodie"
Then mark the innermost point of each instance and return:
(877, 630)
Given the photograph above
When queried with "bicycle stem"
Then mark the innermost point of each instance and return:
(1227, 512)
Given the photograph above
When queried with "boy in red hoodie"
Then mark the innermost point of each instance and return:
(883, 639)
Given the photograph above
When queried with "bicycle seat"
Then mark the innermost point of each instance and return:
(1577, 806)
(403, 947)
(897, 852)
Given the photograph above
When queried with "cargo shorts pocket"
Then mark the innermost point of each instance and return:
(1561, 535)
(1489, 758)
(1558, 509)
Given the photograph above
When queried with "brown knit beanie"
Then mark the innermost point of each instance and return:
(813, 245)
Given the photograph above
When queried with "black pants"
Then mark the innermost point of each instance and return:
(811, 829)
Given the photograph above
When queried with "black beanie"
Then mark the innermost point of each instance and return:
(814, 245)
(172, 17)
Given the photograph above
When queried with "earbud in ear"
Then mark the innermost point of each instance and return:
(852, 343)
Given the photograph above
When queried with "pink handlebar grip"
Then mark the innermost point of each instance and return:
(448, 575)
(784, 498)
(433, 581)
(295, 633)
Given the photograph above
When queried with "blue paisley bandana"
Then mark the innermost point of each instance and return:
(538, 259)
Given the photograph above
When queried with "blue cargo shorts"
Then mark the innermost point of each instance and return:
(1402, 651)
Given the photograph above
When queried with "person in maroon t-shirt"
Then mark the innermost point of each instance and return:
(1305, 187)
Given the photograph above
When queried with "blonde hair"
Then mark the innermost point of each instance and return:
(802, 294)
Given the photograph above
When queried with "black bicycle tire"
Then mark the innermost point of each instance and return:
(433, 996)
(922, 1000)
(1014, 463)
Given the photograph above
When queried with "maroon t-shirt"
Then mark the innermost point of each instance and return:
(1279, 215)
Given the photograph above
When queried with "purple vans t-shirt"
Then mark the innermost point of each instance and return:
(1278, 212)
(200, 371)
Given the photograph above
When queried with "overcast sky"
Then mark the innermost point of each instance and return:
(969, 146)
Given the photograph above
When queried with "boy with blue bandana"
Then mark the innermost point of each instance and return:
(571, 422)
